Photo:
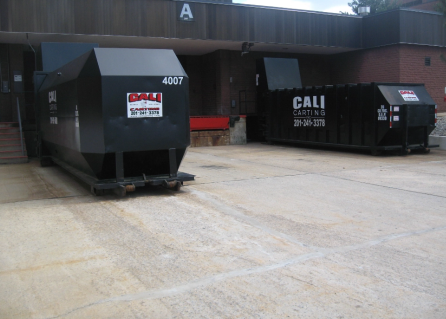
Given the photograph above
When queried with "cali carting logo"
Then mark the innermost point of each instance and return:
(408, 95)
(52, 100)
(144, 105)
(309, 111)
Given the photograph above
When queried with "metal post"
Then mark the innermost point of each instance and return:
(119, 167)
(405, 132)
(20, 125)
(426, 137)
(173, 162)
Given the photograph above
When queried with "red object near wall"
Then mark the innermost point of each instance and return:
(204, 123)
(211, 122)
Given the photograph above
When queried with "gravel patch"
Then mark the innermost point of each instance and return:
(440, 130)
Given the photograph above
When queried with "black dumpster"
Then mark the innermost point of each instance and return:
(373, 116)
(117, 118)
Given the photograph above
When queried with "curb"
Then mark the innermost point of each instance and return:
(438, 140)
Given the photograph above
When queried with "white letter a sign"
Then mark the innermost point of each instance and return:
(186, 13)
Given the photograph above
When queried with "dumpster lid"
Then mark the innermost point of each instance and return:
(102, 62)
(282, 73)
(398, 94)
(138, 62)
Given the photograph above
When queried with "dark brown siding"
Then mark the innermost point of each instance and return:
(381, 29)
(422, 28)
(404, 26)
(157, 18)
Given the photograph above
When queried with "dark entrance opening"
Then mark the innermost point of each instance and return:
(29, 63)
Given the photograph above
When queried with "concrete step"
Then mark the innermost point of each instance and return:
(9, 124)
(9, 141)
(9, 130)
(14, 160)
(15, 152)
(12, 147)
(5, 136)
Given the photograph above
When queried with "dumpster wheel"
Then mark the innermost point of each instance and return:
(405, 151)
(96, 192)
(177, 187)
(120, 191)
(173, 185)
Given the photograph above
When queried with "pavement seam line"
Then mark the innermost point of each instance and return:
(378, 185)
(39, 199)
(168, 292)
(249, 179)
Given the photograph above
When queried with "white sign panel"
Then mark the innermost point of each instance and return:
(382, 113)
(408, 95)
(144, 105)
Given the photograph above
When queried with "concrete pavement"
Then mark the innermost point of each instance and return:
(263, 232)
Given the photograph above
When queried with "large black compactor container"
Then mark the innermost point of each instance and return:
(373, 116)
(118, 118)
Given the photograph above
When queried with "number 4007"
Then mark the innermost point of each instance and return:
(175, 80)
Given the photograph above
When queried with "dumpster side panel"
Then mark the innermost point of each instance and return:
(57, 115)
(60, 124)
(90, 113)
(367, 115)
(67, 101)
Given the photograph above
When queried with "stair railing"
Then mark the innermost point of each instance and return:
(20, 125)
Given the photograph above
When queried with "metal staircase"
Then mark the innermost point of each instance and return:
(12, 146)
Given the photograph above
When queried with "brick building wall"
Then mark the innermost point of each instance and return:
(395, 63)
(413, 69)
(193, 67)
(225, 75)
(203, 82)
(240, 76)
(209, 84)
(379, 64)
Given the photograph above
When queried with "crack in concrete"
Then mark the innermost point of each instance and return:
(318, 252)
(168, 292)
(378, 185)
(45, 184)
(249, 179)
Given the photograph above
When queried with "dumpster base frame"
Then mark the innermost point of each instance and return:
(99, 186)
